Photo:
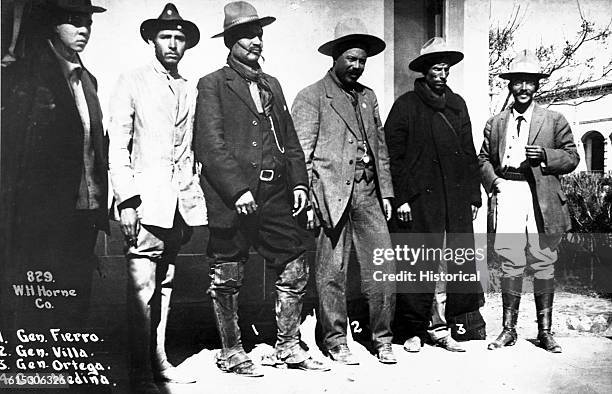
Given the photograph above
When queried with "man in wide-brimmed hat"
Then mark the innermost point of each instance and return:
(525, 150)
(255, 184)
(339, 127)
(437, 186)
(54, 163)
(156, 186)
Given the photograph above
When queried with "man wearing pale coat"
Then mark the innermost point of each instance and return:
(156, 185)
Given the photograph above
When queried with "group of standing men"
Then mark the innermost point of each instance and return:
(232, 155)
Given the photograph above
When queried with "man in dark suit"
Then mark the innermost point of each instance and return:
(525, 150)
(255, 183)
(55, 164)
(339, 127)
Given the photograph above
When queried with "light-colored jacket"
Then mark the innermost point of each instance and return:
(150, 151)
(327, 127)
(550, 130)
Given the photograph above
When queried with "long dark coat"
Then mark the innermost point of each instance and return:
(228, 142)
(42, 146)
(435, 170)
(42, 163)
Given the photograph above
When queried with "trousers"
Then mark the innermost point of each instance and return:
(363, 225)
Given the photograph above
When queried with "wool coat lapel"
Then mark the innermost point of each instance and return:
(340, 103)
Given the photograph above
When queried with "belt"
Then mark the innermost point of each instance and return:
(513, 174)
(267, 175)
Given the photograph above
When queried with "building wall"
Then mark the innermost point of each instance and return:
(585, 118)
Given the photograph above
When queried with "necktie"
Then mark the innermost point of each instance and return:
(518, 125)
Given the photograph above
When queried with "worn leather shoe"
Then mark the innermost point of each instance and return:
(413, 345)
(507, 337)
(548, 343)
(246, 369)
(385, 354)
(310, 364)
(174, 375)
(342, 354)
(449, 344)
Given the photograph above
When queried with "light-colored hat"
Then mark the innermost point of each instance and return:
(435, 51)
(353, 29)
(525, 63)
(240, 12)
(170, 19)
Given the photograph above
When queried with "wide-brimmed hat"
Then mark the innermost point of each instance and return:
(240, 12)
(170, 19)
(525, 63)
(435, 51)
(353, 29)
(78, 6)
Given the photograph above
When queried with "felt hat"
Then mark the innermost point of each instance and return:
(435, 51)
(353, 29)
(525, 63)
(170, 19)
(239, 13)
(76, 6)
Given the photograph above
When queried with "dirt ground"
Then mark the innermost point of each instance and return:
(585, 366)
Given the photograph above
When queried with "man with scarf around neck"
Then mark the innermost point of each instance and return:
(437, 184)
(339, 127)
(156, 187)
(255, 183)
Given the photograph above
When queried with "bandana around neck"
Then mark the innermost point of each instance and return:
(254, 75)
(428, 96)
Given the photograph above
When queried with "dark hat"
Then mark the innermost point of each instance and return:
(170, 19)
(353, 29)
(78, 6)
(525, 63)
(435, 51)
(240, 12)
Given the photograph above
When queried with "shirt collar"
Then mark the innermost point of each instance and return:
(157, 66)
(526, 115)
(67, 66)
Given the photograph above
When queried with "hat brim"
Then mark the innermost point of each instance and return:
(265, 21)
(375, 45)
(423, 62)
(80, 9)
(150, 27)
(511, 75)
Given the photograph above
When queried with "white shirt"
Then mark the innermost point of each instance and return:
(515, 143)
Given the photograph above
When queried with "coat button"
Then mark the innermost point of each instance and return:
(350, 141)
(351, 162)
(254, 123)
(254, 143)
(348, 182)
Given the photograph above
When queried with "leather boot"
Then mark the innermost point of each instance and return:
(226, 280)
(140, 292)
(511, 299)
(544, 293)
